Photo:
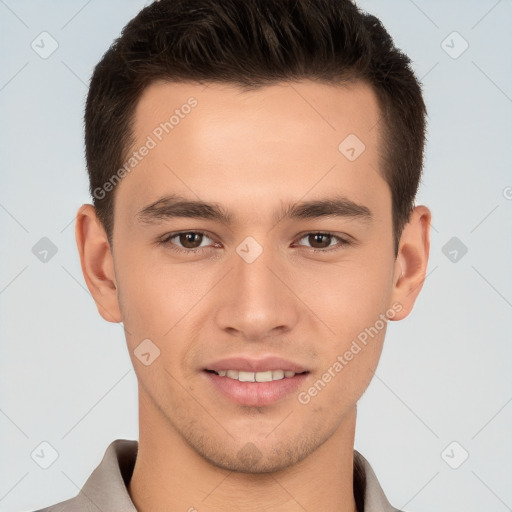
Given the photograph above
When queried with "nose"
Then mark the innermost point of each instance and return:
(256, 300)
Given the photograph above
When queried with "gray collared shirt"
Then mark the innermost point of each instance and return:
(105, 490)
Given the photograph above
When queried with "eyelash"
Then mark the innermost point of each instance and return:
(166, 241)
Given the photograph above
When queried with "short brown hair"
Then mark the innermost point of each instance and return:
(253, 43)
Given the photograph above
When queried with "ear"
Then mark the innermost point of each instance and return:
(411, 261)
(97, 262)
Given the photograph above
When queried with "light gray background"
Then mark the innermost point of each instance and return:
(445, 373)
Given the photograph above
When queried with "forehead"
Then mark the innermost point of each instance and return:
(328, 108)
(219, 142)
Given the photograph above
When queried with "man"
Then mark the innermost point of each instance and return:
(253, 165)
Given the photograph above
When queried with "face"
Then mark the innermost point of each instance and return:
(292, 258)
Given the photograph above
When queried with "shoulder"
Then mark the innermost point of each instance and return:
(75, 504)
(63, 506)
(105, 489)
(366, 484)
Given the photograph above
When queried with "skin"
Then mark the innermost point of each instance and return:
(250, 152)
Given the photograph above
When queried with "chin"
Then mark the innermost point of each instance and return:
(257, 456)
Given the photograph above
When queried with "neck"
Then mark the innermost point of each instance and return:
(170, 475)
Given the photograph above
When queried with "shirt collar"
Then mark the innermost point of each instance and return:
(106, 488)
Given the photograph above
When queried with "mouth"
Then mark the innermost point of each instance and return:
(255, 389)
(265, 376)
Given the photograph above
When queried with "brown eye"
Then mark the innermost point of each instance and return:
(319, 240)
(322, 242)
(190, 240)
(187, 242)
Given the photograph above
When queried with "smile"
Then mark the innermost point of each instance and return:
(266, 376)
(255, 389)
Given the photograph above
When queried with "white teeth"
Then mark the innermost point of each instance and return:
(246, 376)
(278, 374)
(263, 376)
(267, 376)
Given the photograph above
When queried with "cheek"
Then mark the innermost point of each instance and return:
(347, 367)
(348, 300)
(144, 294)
(347, 296)
(157, 299)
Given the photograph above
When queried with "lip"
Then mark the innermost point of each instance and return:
(255, 394)
(262, 364)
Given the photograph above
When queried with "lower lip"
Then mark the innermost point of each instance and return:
(255, 394)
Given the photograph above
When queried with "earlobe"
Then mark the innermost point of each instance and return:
(411, 261)
(97, 262)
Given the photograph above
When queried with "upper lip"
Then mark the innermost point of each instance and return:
(262, 364)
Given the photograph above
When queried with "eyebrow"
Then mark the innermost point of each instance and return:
(177, 206)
